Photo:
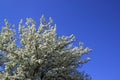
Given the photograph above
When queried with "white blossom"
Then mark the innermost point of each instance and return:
(42, 54)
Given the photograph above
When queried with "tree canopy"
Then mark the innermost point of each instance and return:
(41, 54)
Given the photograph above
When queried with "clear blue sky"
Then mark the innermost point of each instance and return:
(94, 22)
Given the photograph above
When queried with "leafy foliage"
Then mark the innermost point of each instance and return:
(42, 54)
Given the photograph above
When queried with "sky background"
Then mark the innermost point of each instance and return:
(94, 22)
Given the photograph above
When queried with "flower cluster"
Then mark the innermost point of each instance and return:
(42, 54)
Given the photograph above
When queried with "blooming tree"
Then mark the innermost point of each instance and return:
(42, 54)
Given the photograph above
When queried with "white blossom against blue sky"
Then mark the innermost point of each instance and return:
(94, 22)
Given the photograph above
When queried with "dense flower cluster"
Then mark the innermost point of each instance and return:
(42, 54)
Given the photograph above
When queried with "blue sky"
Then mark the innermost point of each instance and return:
(94, 22)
